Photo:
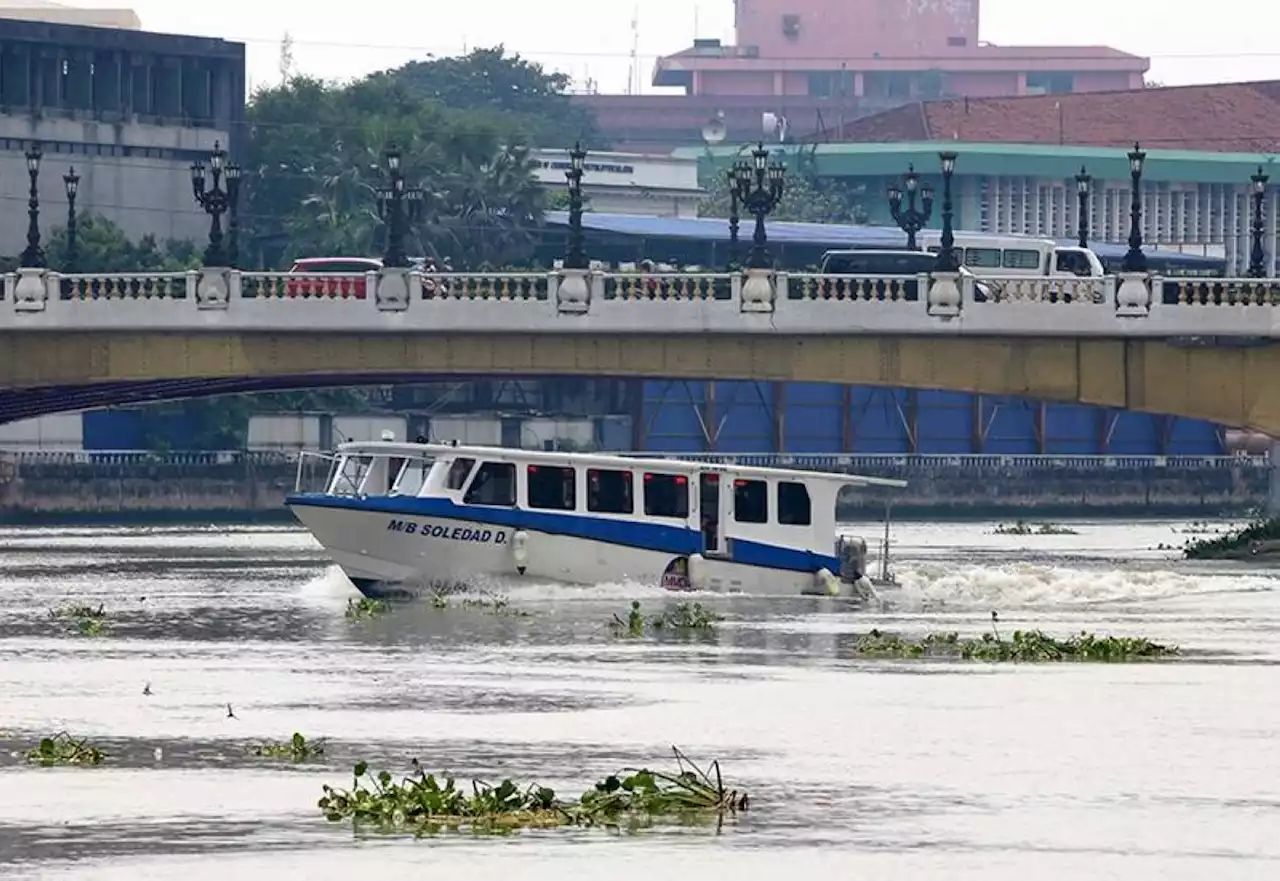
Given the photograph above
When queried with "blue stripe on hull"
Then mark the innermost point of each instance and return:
(674, 540)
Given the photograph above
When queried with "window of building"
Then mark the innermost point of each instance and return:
(666, 495)
(830, 84)
(794, 507)
(459, 471)
(957, 42)
(1050, 83)
(983, 258)
(1021, 259)
(494, 485)
(751, 501)
(610, 492)
(552, 488)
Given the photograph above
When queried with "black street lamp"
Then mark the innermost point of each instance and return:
(947, 260)
(912, 219)
(1256, 254)
(391, 205)
(233, 215)
(72, 182)
(1083, 182)
(739, 178)
(760, 189)
(33, 255)
(1134, 259)
(575, 250)
(214, 201)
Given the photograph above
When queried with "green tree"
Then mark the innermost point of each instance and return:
(805, 200)
(492, 80)
(101, 246)
(315, 164)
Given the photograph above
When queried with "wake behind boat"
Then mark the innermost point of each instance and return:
(405, 518)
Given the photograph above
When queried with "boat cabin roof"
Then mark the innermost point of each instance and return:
(540, 457)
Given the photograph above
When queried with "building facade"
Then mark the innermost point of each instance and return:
(627, 183)
(130, 110)
(819, 64)
(1192, 201)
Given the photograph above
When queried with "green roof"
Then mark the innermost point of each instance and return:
(1029, 160)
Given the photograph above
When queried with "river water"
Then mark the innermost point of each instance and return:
(856, 769)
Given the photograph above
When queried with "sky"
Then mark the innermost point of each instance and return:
(1188, 42)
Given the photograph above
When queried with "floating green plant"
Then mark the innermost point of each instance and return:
(295, 749)
(423, 803)
(86, 620)
(1022, 527)
(1023, 646)
(366, 607)
(682, 617)
(63, 749)
(1259, 535)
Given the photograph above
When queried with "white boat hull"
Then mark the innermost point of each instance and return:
(390, 554)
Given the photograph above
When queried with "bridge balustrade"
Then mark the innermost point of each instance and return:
(642, 303)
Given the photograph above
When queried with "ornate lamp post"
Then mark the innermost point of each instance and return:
(575, 252)
(760, 189)
(33, 255)
(1134, 259)
(214, 201)
(392, 199)
(1257, 256)
(947, 260)
(740, 172)
(72, 182)
(233, 173)
(1083, 183)
(911, 219)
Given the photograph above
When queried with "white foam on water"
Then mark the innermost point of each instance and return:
(330, 587)
(927, 585)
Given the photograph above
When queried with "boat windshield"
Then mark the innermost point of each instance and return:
(350, 475)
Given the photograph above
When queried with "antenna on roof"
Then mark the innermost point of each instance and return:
(633, 75)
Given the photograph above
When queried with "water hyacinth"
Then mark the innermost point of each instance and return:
(1022, 646)
(423, 803)
(63, 749)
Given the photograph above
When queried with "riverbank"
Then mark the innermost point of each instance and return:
(225, 488)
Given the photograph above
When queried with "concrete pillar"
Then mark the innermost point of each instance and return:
(1273, 493)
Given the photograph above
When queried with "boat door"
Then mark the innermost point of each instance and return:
(713, 508)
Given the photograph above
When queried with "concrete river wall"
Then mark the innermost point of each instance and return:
(231, 487)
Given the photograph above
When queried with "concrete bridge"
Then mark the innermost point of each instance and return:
(1199, 348)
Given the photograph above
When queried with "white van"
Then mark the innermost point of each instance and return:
(994, 255)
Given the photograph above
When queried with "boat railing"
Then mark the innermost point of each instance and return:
(311, 464)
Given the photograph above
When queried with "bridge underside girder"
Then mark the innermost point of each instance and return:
(44, 372)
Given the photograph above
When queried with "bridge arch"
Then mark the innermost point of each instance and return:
(1236, 387)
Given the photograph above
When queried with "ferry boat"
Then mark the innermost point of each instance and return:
(403, 519)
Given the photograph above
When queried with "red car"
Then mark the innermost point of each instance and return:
(335, 277)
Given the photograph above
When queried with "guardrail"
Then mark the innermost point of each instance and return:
(813, 461)
(616, 303)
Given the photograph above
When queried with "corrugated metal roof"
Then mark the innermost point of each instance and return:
(709, 229)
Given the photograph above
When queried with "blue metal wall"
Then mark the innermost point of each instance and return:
(749, 417)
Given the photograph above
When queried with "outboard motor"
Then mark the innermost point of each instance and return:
(851, 550)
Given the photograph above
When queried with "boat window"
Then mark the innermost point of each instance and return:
(666, 495)
(552, 488)
(751, 501)
(493, 485)
(609, 492)
(411, 477)
(354, 469)
(458, 473)
(1021, 259)
(983, 258)
(794, 508)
